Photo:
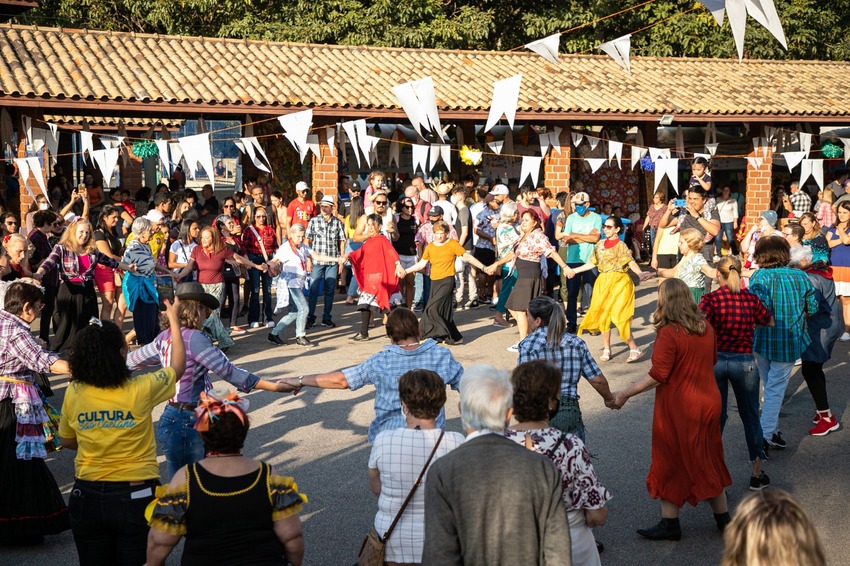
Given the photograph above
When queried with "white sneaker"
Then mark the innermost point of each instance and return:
(254, 325)
(845, 337)
(514, 348)
(270, 324)
(798, 363)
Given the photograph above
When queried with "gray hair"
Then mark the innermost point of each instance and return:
(486, 394)
(799, 254)
(141, 224)
(507, 212)
(222, 219)
(297, 228)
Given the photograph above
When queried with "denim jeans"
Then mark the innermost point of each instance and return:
(297, 312)
(421, 289)
(255, 276)
(328, 273)
(108, 521)
(178, 440)
(775, 376)
(740, 371)
(587, 278)
(728, 229)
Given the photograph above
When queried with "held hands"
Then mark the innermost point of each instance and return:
(133, 268)
(644, 275)
(264, 267)
(491, 269)
(617, 401)
(400, 272)
(284, 386)
(569, 273)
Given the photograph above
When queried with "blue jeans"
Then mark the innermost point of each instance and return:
(775, 376)
(727, 228)
(179, 441)
(256, 276)
(328, 273)
(297, 312)
(586, 278)
(421, 289)
(108, 521)
(740, 371)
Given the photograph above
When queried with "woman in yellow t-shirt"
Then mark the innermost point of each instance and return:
(107, 419)
(438, 318)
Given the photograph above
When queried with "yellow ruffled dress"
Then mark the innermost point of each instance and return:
(613, 299)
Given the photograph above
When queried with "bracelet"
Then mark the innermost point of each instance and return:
(300, 381)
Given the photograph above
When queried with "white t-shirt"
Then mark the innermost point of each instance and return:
(473, 212)
(449, 215)
(182, 251)
(728, 210)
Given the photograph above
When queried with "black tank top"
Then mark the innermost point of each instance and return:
(405, 244)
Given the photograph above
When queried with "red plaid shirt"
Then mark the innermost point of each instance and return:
(734, 318)
(252, 246)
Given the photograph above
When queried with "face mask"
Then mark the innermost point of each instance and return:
(43, 206)
(581, 210)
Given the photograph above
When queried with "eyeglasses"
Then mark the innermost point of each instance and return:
(379, 201)
(608, 226)
(407, 206)
(261, 216)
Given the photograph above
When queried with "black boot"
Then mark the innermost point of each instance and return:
(722, 519)
(666, 529)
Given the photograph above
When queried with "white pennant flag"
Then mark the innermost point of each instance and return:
(395, 149)
(364, 140)
(52, 140)
(667, 167)
(313, 145)
(764, 12)
(817, 172)
(544, 144)
(618, 49)
(86, 143)
(756, 144)
(546, 47)
(717, 9)
(595, 163)
(419, 102)
(39, 139)
(577, 138)
(247, 145)
(655, 153)
(440, 151)
(505, 100)
(371, 152)
(38, 174)
(176, 151)
(530, 167)
(446, 156)
(555, 139)
(196, 149)
(737, 12)
(162, 149)
(615, 151)
(297, 126)
(420, 157)
(24, 173)
(593, 141)
(106, 160)
(805, 142)
(755, 162)
(770, 133)
(54, 129)
(496, 146)
(710, 133)
(711, 148)
(351, 132)
(637, 154)
(330, 136)
(793, 158)
(846, 142)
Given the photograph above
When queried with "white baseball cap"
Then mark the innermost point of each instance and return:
(302, 186)
(499, 190)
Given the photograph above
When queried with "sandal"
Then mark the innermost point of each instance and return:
(606, 355)
(634, 355)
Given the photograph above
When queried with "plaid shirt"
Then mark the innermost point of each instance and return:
(20, 354)
(323, 237)
(68, 264)
(202, 357)
(383, 370)
(572, 357)
(802, 202)
(252, 245)
(734, 318)
(790, 296)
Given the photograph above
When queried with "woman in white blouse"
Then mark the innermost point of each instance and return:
(727, 208)
(398, 457)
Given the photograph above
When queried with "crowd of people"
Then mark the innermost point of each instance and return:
(551, 267)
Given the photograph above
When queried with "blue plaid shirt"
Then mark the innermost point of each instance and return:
(383, 370)
(790, 296)
(572, 357)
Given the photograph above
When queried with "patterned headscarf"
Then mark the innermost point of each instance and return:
(214, 404)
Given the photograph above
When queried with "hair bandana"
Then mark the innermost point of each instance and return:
(213, 404)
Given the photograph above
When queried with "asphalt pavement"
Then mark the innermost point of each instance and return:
(319, 438)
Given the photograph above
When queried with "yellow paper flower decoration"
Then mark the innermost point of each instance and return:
(470, 156)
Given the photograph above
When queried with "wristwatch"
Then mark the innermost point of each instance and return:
(300, 381)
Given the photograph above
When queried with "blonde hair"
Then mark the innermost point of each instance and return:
(828, 196)
(217, 244)
(730, 268)
(676, 306)
(693, 238)
(69, 238)
(771, 529)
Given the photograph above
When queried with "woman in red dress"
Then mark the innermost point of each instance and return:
(687, 447)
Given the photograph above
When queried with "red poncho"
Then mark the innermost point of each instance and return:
(373, 265)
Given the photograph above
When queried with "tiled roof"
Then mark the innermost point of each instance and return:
(55, 68)
(129, 121)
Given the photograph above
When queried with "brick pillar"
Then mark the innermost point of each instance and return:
(758, 184)
(131, 174)
(556, 167)
(325, 171)
(31, 184)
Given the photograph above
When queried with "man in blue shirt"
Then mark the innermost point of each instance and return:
(577, 236)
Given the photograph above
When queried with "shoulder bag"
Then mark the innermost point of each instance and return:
(274, 269)
(373, 547)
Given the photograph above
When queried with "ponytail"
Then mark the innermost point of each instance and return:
(730, 268)
(552, 314)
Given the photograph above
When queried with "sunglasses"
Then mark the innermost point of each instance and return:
(379, 201)
(608, 226)
(261, 216)
(407, 206)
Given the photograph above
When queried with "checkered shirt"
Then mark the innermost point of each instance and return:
(385, 368)
(20, 354)
(572, 357)
(789, 295)
(734, 317)
(324, 237)
(67, 263)
(802, 203)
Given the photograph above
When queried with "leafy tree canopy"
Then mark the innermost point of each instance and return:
(813, 29)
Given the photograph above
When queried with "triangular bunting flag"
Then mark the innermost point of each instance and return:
(711, 148)
(717, 9)
(615, 151)
(530, 168)
(162, 149)
(505, 100)
(637, 155)
(86, 143)
(555, 139)
(106, 160)
(755, 162)
(805, 142)
(419, 102)
(793, 158)
(446, 156)
(595, 163)
(496, 146)
(846, 142)
(297, 126)
(737, 12)
(805, 171)
(330, 136)
(546, 47)
(544, 144)
(395, 149)
(619, 50)
(196, 149)
(350, 130)
(593, 141)
(420, 157)
(23, 165)
(577, 138)
(817, 172)
(313, 145)
(176, 151)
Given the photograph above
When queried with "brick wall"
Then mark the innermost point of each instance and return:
(131, 174)
(556, 168)
(758, 184)
(325, 172)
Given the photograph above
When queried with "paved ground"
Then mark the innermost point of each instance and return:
(319, 437)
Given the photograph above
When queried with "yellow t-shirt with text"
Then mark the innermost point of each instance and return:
(114, 428)
(442, 258)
